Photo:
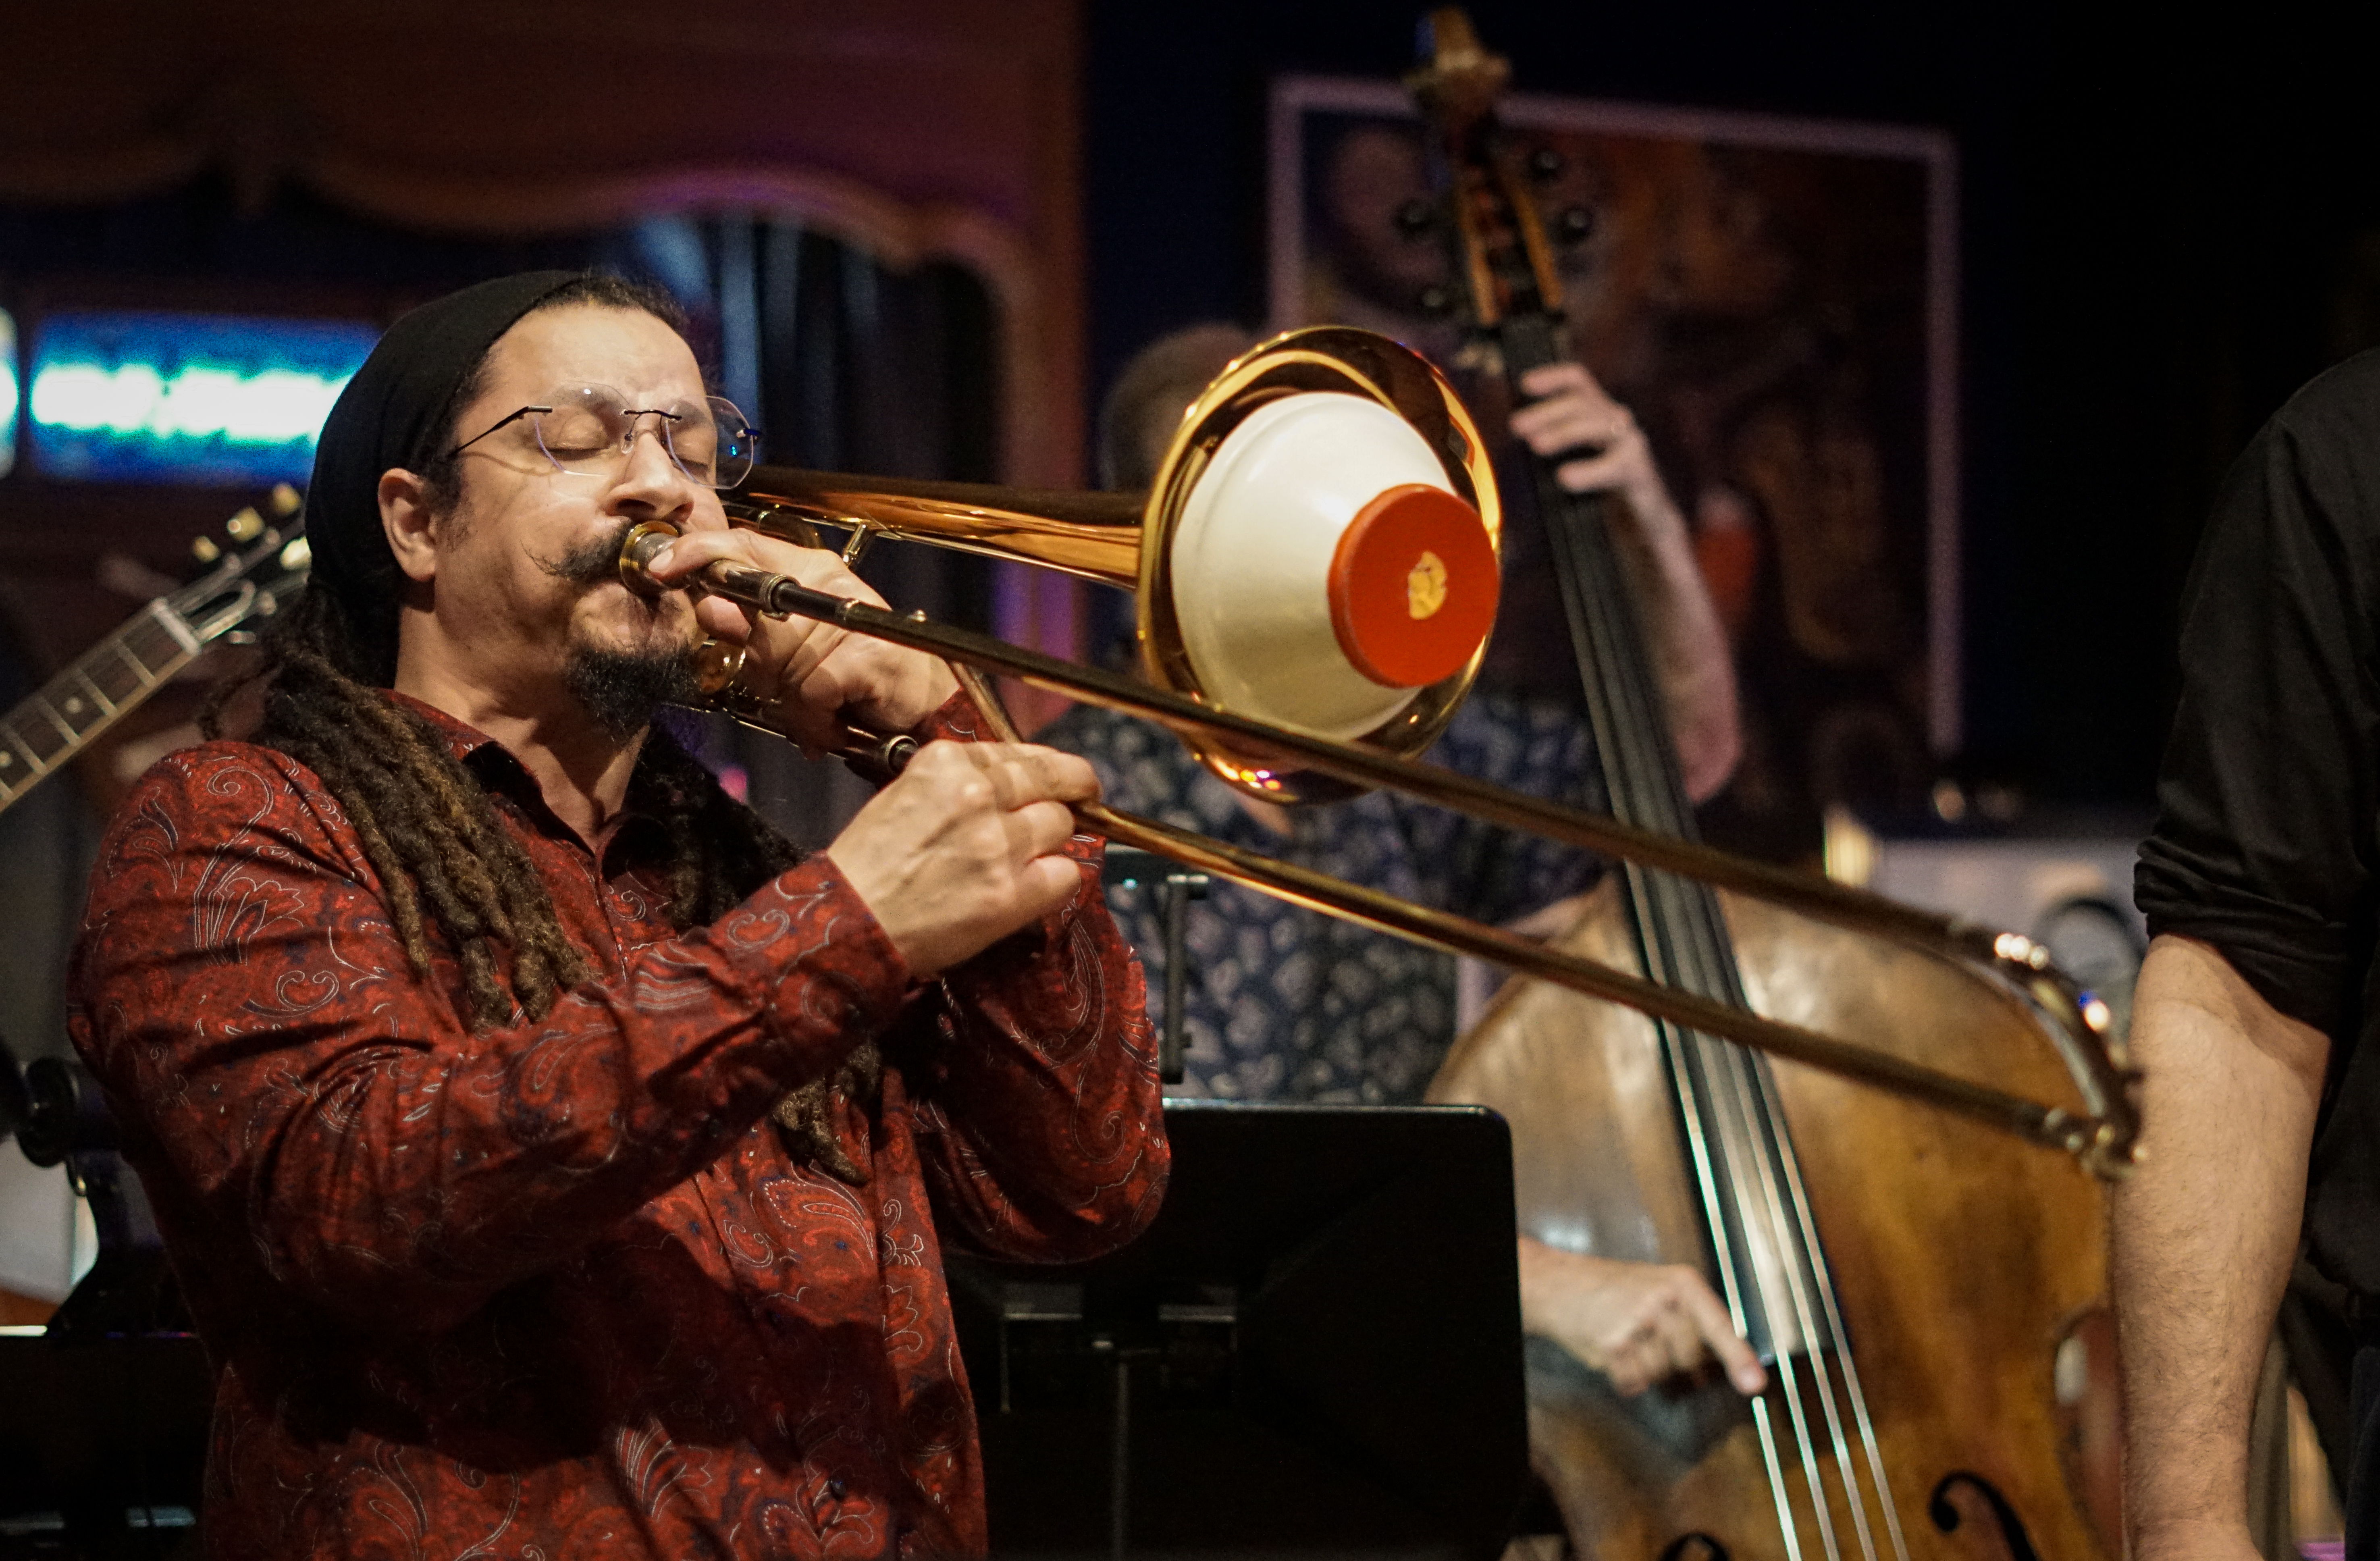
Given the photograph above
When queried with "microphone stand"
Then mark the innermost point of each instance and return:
(1175, 885)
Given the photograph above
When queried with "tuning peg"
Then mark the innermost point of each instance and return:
(1435, 301)
(286, 501)
(1419, 216)
(1573, 224)
(245, 527)
(203, 549)
(1546, 165)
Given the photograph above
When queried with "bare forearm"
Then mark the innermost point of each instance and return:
(1597, 448)
(1690, 648)
(2203, 1237)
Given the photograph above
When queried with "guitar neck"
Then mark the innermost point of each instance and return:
(104, 684)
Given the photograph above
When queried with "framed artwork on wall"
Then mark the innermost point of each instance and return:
(1776, 301)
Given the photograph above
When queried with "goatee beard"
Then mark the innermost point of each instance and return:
(621, 689)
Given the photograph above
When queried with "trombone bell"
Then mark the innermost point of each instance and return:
(1320, 551)
(1323, 572)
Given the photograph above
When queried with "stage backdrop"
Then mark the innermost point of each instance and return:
(1776, 300)
(914, 130)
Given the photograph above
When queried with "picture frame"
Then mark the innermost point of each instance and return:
(1777, 299)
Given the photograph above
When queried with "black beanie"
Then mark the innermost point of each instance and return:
(379, 422)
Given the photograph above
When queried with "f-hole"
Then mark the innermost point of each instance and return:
(2016, 1544)
(1694, 1547)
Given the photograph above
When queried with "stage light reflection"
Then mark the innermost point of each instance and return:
(156, 397)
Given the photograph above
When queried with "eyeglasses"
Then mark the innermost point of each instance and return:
(588, 431)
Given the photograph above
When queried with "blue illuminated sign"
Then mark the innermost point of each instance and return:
(7, 392)
(196, 398)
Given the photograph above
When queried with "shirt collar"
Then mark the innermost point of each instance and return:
(463, 738)
(500, 771)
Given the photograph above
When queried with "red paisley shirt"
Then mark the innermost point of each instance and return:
(558, 1290)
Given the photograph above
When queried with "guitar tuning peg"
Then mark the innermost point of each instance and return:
(286, 501)
(1419, 216)
(1546, 165)
(203, 549)
(245, 527)
(1573, 225)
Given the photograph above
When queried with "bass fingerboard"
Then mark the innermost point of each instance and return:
(84, 700)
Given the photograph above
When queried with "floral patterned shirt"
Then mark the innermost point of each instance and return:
(558, 1289)
(1288, 1004)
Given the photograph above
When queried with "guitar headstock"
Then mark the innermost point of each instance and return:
(261, 564)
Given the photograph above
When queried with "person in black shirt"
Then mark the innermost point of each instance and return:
(2254, 1014)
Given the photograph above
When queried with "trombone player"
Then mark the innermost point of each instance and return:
(554, 1161)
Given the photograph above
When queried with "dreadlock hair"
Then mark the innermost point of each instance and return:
(447, 864)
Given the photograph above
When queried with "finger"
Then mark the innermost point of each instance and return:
(817, 568)
(812, 648)
(724, 620)
(1632, 1371)
(996, 762)
(1591, 435)
(1037, 829)
(1558, 425)
(1595, 474)
(826, 685)
(1718, 1330)
(1060, 775)
(1579, 395)
(1680, 1343)
(1037, 773)
(1552, 379)
(1048, 883)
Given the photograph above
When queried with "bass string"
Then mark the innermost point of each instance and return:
(1595, 628)
(1685, 945)
(1744, 1090)
(1646, 783)
(1826, 1289)
(1678, 943)
(1737, 1084)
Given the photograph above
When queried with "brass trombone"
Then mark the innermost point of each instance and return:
(1090, 534)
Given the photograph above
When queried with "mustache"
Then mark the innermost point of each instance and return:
(591, 562)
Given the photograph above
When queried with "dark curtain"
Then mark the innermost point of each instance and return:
(845, 366)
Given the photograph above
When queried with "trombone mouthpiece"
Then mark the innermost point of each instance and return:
(639, 547)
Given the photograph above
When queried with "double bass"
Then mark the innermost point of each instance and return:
(1925, 1293)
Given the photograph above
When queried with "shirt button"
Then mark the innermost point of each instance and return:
(834, 1489)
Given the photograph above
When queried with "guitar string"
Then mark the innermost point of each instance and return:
(148, 645)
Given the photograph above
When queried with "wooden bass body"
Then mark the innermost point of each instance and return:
(1969, 1267)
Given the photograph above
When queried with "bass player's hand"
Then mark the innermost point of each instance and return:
(1637, 1322)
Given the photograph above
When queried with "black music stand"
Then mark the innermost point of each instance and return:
(1316, 1350)
(104, 1416)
